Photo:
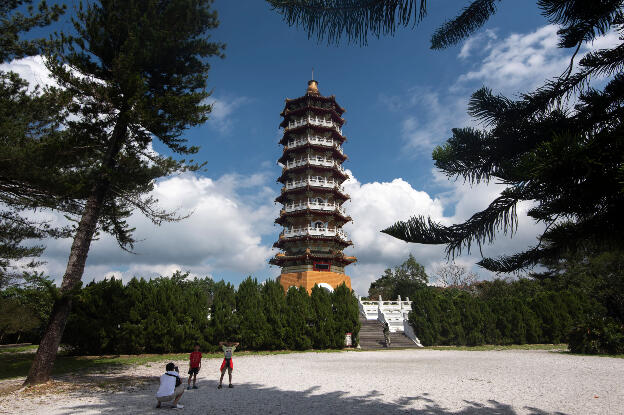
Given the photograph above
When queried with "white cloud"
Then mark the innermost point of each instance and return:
(231, 230)
(375, 206)
(516, 63)
(435, 115)
(31, 69)
(223, 110)
(229, 217)
(480, 40)
(522, 62)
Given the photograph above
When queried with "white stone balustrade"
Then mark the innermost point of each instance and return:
(394, 313)
(314, 121)
(314, 161)
(313, 181)
(292, 207)
(322, 141)
(312, 231)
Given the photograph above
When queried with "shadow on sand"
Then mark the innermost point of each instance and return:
(249, 398)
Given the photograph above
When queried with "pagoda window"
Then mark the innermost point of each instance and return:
(321, 266)
(319, 225)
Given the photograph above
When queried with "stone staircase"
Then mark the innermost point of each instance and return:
(371, 334)
(371, 337)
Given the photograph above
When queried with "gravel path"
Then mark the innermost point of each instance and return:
(377, 382)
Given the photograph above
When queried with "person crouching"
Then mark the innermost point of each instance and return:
(171, 387)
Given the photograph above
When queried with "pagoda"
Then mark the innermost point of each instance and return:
(312, 196)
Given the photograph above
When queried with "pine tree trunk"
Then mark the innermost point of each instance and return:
(43, 363)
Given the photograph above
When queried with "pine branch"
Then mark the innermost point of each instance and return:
(472, 18)
(481, 228)
(354, 20)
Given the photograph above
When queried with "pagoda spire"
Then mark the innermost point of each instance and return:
(312, 87)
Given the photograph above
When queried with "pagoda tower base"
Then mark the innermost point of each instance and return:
(308, 279)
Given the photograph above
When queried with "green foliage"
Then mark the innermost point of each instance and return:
(274, 302)
(299, 319)
(224, 323)
(160, 315)
(354, 19)
(561, 147)
(253, 326)
(498, 312)
(24, 308)
(165, 315)
(401, 280)
(14, 23)
(324, 319)
(346, 315)
(597, 335)
(29, 121)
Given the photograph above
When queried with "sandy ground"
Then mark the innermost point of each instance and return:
(377, 382)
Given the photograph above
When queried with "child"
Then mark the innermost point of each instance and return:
(195, 365)
(228, 349)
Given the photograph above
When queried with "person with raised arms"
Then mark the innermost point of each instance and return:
(228, 350)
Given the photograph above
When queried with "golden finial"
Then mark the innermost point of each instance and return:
(313, 87)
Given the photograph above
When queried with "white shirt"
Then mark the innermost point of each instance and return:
(228, 351)
(167, 384)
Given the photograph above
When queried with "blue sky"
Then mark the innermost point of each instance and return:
(267, 61)
(401, 98)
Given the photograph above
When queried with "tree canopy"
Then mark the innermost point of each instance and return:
(400, 280)
(560, 146)
(136, 71)
(29, 120)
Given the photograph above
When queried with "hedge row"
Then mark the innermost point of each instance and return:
(494, 316)
(166, 315)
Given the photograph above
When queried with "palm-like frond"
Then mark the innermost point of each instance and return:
(354, 20)
(481, 228)
(467, 22)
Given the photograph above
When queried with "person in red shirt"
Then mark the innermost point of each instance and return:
(195, 365)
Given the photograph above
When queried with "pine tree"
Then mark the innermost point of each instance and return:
(325, 332)
(137, 71)
(275, 310)
(403, 280)
(299, 319)
(254, 329)
(29, 121)
(346, 315)
(224, 320)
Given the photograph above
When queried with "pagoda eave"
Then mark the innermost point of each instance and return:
(330, 98)
(337, 216)
(325, 128)
(336, 170)
(289, 192)
(282, 241)
(281, 260)
(288, 150)
(335, 116)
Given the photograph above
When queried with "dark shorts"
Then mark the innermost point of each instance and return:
(193, 370)
(227, 363)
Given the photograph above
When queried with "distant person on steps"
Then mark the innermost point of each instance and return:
(386, 332)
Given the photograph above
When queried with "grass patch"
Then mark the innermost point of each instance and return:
(486, 347)
(19, 349)
(16, 364)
